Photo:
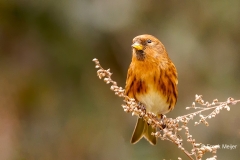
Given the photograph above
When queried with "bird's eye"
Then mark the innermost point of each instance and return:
(149, 41)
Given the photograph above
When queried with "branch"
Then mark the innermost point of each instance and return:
(172, 126)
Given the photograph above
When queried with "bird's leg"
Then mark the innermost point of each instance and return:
(162, 120)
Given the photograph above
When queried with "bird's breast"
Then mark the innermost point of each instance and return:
(154, 101)
(153, 86)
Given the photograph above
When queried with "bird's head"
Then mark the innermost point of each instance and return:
(147, 46)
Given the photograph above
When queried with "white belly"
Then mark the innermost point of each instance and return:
(154, 102)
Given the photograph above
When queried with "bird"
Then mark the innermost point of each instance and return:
(152, 81)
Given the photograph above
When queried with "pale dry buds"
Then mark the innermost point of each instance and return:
(168, 128)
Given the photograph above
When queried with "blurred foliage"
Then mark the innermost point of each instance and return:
(52, 105)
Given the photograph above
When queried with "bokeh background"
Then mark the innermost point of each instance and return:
(52, 104)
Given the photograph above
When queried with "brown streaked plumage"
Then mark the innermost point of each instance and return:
(151, 80)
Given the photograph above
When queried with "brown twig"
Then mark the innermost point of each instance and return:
(170, 132)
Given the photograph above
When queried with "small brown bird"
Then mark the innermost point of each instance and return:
(151, 80)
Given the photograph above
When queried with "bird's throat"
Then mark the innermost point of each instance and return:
(140, 55)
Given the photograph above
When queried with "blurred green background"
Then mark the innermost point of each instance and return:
(52, 104)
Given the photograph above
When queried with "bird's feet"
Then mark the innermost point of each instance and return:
(161, 120)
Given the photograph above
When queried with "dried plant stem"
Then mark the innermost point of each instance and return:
(172, 126)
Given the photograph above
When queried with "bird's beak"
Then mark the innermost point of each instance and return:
(137, 46)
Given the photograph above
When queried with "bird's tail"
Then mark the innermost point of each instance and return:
(142, 129)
